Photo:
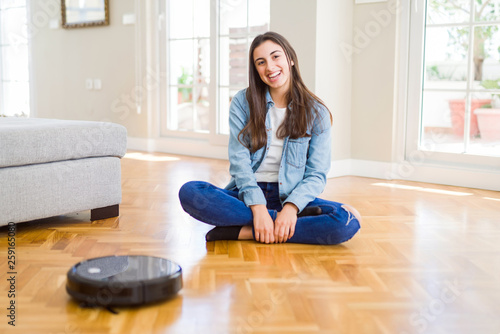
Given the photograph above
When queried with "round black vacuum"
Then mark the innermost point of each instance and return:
(124, 280)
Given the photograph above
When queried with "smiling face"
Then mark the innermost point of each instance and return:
(272, 65)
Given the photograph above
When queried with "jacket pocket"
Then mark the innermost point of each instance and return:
(296, 152)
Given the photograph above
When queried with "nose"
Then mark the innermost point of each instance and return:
(271, 67)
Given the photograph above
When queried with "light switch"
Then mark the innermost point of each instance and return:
(128, 19)
(97, 84)
(88, 84)
(54, 24)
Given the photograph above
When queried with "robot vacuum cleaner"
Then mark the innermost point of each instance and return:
(123, 280)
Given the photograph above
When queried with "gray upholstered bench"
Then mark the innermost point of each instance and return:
(55, 167)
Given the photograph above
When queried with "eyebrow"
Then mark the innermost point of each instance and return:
(269, 54)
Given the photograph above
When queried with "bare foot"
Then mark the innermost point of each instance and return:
(245, 233)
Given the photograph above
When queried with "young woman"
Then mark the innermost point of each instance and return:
(279, 153)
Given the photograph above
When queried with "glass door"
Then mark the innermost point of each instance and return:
(454, 81)
(204, 46)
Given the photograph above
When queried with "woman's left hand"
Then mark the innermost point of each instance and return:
(284, 225)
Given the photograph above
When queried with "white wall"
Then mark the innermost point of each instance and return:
(316, 28)
(296, 21)
(373, 71)
(334, 71)
(62, 60)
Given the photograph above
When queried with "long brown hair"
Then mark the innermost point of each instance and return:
(301, 102)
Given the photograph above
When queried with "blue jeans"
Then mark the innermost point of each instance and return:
(220, 207)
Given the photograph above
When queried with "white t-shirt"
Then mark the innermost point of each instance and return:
(269, 168)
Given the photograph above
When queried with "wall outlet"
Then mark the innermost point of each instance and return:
(97, 84)
(89, 84)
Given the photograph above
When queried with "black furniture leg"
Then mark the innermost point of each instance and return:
(105, 213)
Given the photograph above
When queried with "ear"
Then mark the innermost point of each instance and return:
(291, 62)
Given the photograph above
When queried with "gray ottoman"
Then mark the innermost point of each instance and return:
(55, 167)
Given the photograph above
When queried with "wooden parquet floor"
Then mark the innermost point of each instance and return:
(427, 260)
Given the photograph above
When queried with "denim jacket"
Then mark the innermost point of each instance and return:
(305, 161)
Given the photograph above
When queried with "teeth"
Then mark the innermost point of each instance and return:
(274, 75)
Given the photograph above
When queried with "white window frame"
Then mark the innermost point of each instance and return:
(412, 67)
(163, 96)
(213, 137)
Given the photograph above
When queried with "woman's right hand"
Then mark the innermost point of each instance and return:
(263, 224)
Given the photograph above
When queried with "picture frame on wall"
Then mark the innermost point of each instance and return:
(84, 13)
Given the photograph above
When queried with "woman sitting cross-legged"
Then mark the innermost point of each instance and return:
(279, 153)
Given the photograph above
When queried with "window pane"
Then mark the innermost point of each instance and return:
(189, 109)
(488, 119)
(233, 61)
(202, 18)
(184, 95)
(487, 10)
(487, 57)
(202, 71)
(443, 122)
(83, 11)
(180, 18)
(224, 56)
(15, 63)
(181, 62)
(11, 3)
(13, 26)
(445, 11)
(14, 68)
(233, 17)
(446, 57)
(201, 114)
(180, 108)
(258, 16)
(15, 97)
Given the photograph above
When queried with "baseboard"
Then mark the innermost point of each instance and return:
(141, 144)
(365, 168)
(457, 176)
(340, 168)
(439, 174)
(181, 146)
